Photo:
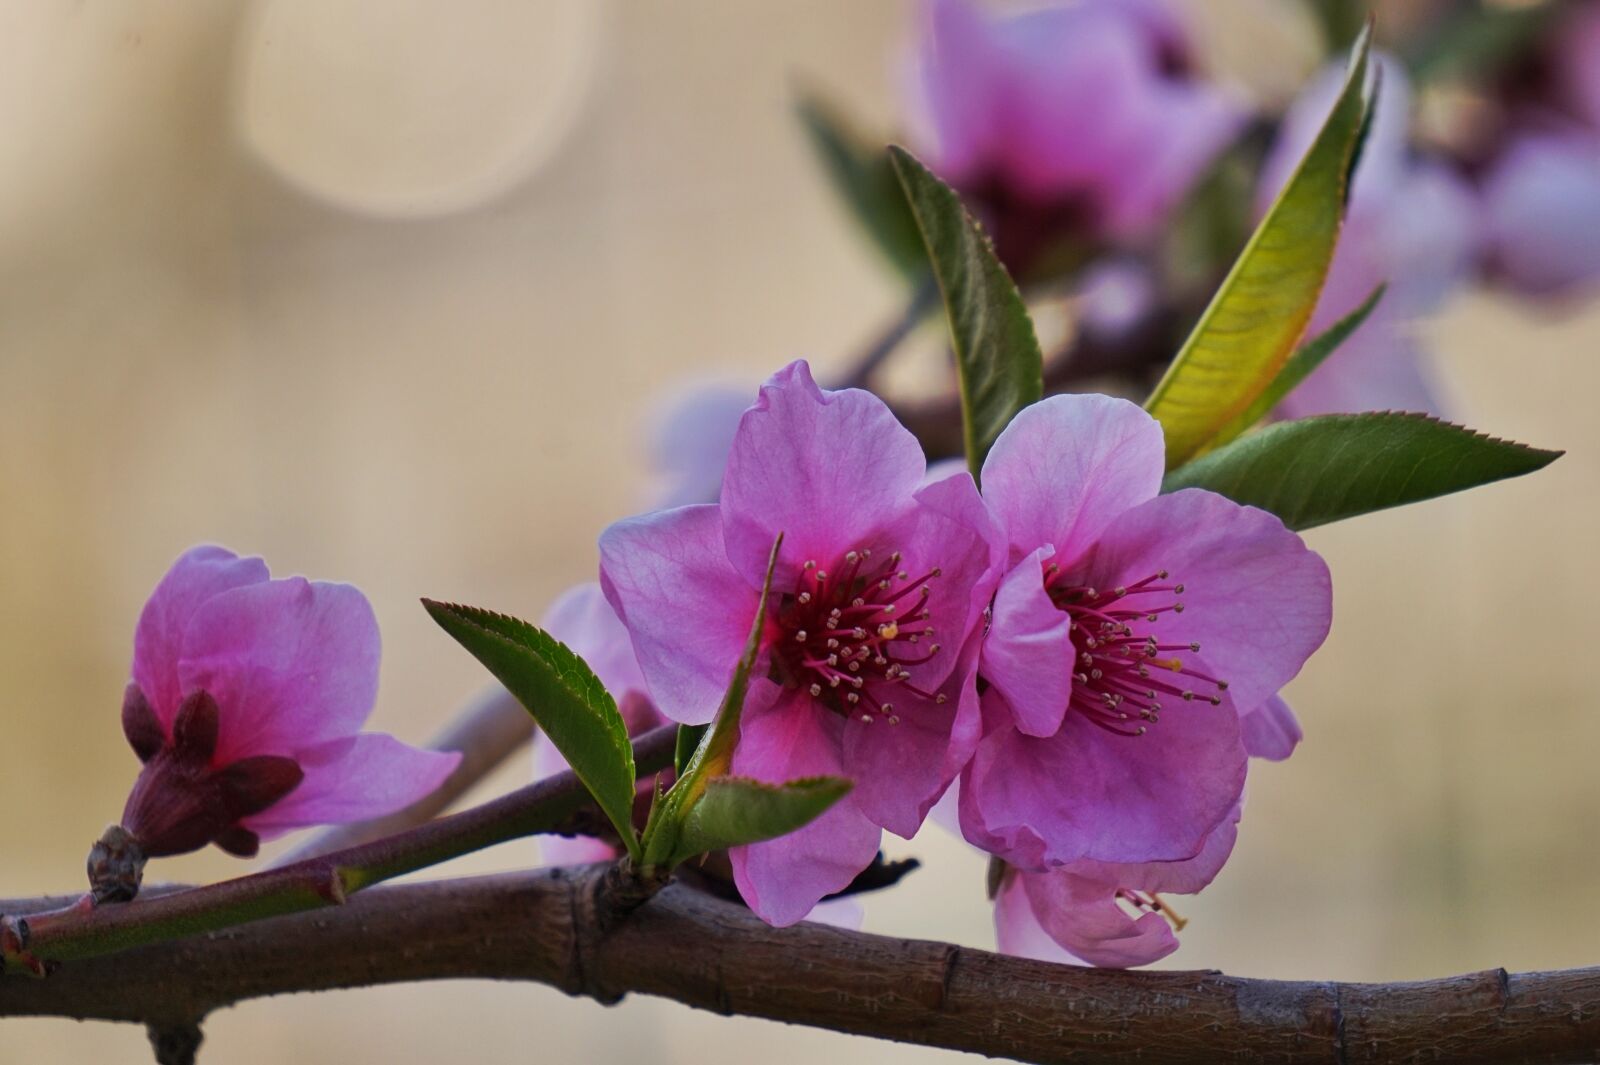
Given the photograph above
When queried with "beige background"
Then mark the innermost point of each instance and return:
(390, 296)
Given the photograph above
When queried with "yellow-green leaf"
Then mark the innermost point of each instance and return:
(1258, 315)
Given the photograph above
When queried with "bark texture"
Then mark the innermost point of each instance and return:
(557, 927)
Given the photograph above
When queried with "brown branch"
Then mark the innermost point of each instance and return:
(684, 945)
(35, 941)
(486, 732)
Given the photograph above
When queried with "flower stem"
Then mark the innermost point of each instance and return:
(923, 299)
(559, 804)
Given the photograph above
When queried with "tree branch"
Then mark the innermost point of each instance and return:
(684, 945)
(32, 940)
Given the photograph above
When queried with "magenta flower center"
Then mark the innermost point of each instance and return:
(850, 637)
(1124, 675)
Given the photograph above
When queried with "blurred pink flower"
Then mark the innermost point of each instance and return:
(246, 706)
(1104, 913)
(690, 442)
(1133, 637)
(866, 668)
(1541, 211)
(1084, 118)
(1411, 224)
(585, 622)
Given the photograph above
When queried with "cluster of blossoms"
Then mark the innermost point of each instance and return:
(1086, 123)
(1092, 660)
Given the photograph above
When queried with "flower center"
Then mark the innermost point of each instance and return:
(851, 637)
(1124, 675)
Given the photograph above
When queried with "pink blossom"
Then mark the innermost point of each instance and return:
(1411, 224)
(1134, 638)
(1541, 209)
(585, 622)
(246, 706)
(867, 661)
(1104, 913)
(690, 442)
(1082, 116)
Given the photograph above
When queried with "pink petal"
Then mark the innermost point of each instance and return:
(1017, 930)
(1088, 793)
(827, 469)
(1185, 877)
(1066, 467)
(953, 97)
(291, 664)
(900, 771)
(784, 737)
(1028, 653)
(691, 439)
(686, 608)
(1270, 731)
(1380, 367)
(1075, 908)
(846, 913)
(353, 779)
(1541, 205)
(1081, 914)
(575, 850)
(583, 620)
(199, 574)
(1256, 599)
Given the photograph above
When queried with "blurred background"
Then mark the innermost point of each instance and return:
(392, 292)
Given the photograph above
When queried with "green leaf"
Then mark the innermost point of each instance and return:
(734, 811)
(1309, 356)
(564, 696)
(1316, 470)
(1247, 333)
(998, 360)
(714, 754)
(689, 737)
(864, 180)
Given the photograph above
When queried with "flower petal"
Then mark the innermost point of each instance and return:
(1271, 730)
(1541, 209)
(1067, 466)
(353, 779)
(687, 610)
(291, 664)
(953, 89)
(199, 574)
(826, 469)
(583, 620)
(783, 737)
(901, 770)
(1028, 653)
(1256, 599)
(1081, 914)
(1088, 793)
(1017, 930)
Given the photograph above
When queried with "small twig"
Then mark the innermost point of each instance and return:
(558, 804)
(486, 732)
(923, 299)
(175, 1044)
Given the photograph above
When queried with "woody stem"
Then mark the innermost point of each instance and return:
(556, 805)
